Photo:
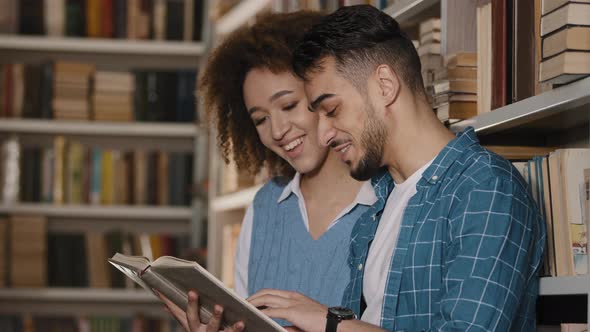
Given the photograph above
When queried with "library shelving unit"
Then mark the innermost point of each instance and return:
(117, 52)
(111, 54)
(83, 302)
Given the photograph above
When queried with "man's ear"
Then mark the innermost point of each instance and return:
(388, 84)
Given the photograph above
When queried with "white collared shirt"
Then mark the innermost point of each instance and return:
(365, 196)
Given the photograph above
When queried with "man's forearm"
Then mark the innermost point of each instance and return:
(356, 325)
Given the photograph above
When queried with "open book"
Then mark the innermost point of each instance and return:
(174, 277)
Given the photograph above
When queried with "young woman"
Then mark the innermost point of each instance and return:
(296, 234)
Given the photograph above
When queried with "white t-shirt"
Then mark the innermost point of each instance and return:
(383, 245)
(365, 196)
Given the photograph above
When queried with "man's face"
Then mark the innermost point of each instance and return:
(348, 123)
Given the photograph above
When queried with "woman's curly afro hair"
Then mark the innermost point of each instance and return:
(267, 44)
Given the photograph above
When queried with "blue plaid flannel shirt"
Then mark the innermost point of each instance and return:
(469, 250)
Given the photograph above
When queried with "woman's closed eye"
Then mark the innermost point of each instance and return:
(259, 121)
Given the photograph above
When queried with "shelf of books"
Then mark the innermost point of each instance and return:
(100, 152)
(114, 310)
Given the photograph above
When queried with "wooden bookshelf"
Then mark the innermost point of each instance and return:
(80, 302)
(558, 109)
(104, 46)
(108, 55)
(123, 52)
(95, 128)
(405, 11)
(121, 212)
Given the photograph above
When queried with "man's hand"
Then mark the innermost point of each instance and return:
(190, 319)
(303, 312)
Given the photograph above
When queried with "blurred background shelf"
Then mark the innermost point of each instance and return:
(130, 135)
(240, 15)
(57, 301)
(92, 128)
(118, 52)
(408, 12)
(565, 285)
(238, 200)
(146, 213)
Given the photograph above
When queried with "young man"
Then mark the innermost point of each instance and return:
(460, 241)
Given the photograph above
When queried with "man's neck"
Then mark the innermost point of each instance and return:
(416, 136)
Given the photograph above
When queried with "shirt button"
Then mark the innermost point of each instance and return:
(360, 266)
(434, 178)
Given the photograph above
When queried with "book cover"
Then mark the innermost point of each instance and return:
(174, 277)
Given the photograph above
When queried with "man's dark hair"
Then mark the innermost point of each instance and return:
(359, 38)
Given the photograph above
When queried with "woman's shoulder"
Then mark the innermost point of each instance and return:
(273, 188)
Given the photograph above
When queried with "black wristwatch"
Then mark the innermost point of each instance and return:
(335, 316)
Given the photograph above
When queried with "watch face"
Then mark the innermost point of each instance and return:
(341, 312)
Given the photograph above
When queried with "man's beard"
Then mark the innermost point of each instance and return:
(373, 143)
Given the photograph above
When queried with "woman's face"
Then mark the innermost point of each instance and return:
(278, 107)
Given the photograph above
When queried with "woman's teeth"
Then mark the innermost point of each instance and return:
(293, 144)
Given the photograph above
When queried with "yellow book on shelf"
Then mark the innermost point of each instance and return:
(156, 244)
(93, 17)
(107, 192)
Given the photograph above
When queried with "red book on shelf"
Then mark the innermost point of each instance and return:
(107, 19)
(500, 52)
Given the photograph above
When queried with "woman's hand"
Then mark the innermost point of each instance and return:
(190, 319)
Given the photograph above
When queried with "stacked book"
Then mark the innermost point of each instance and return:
(71, 88)
(113, 96)
(27, 248)
(565, 32)
(429, 52)
(455, 88)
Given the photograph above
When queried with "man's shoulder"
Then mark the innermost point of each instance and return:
(478, 167)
